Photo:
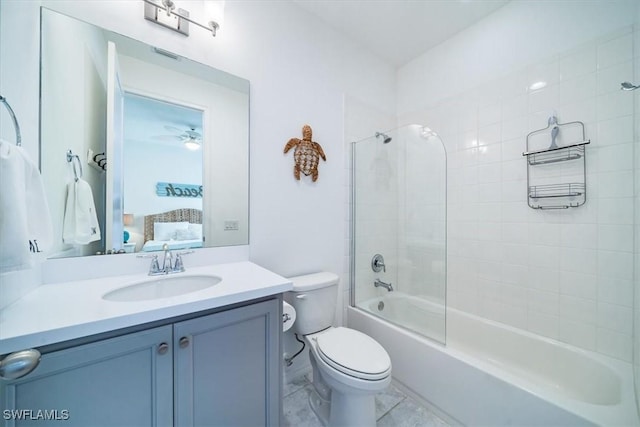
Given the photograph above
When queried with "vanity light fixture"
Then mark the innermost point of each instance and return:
(166, 14)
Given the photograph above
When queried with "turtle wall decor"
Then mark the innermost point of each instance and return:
(306, 155)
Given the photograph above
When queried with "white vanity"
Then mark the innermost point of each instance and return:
(206, 357)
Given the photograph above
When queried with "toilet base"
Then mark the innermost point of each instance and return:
(344, 410)
(352, 410)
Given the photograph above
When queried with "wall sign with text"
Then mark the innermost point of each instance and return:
(171, 189)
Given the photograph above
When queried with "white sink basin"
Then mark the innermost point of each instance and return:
(161, 287)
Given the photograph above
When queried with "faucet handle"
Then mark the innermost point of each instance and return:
(178, 266)
(377, 263)
(155, 265)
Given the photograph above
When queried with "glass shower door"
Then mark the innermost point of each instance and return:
(399, 229)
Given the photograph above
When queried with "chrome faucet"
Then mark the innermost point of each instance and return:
(169, 266)
(168, 257)
(380, 284)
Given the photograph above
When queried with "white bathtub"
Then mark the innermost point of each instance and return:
(491, 374)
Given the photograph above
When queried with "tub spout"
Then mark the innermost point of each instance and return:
(379, 283)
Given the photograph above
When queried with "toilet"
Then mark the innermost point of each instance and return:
(349, 367)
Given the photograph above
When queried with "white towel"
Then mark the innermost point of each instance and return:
(25, 222)
(80, 225)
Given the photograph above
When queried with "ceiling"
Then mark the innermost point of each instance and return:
(150, 120)
(400, 30)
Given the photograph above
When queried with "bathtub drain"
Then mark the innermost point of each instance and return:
(380, 306)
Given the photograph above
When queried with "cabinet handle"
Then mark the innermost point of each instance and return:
(19, 364)
(184, 342)
(163, 348)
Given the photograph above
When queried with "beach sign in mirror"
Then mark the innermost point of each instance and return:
(171, 189)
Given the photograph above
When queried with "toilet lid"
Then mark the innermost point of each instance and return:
(354, 353)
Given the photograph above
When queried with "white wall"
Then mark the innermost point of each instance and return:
(561, 274)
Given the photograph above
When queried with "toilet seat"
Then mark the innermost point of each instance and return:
(353, 353)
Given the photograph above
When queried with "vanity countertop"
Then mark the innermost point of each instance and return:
(58, 312)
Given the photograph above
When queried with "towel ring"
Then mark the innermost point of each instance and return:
(70, 158)
(16, 126)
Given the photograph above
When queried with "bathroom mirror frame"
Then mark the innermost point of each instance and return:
(73, 116)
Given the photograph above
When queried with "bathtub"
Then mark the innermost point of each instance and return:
(491, 374)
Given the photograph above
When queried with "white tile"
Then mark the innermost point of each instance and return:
(515, 212)
(615, 238)
(490, 192)
(544, 279)
(616, 265)
(616, 291)
(544, 234)
(616, 318)
(579, 260)
(514, 170)
(469, 139)
(613, 105)
(584, 236)
(489, 231)
(615, 51)
(513, 149)
(577, 89)
(615, 158)
(543, 302)
(468, 118)
(609, 79)
(489, 173)
(615, 184)
(578, 334)
(515, 274)
(490, 251)
(618, 130)
(544, 256)
(578, 284)
(578, 62)
(614, 344)
(489, 153)
(514, 107)
(470, 175)
(514, 84)
(544, 100)
(583, 111)
(547, 71)
(615, 211)
(513, 128)
(578, 309)
(488, 114)
(490, 271)
(517, 254)
(489, 212)
(515, 232)
(543, 324)
(489, 134)
(513, 191)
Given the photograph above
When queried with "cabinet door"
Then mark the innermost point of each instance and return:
(227, 368)
(123, 381)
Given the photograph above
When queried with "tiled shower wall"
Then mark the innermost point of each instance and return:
(563, 274)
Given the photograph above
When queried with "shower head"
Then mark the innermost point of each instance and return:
(628, 86)
(385, 138)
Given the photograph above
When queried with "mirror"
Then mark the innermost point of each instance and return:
(138, 146)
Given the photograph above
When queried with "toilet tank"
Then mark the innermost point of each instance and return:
(314, 297)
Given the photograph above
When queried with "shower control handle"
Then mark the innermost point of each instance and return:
(377, 263)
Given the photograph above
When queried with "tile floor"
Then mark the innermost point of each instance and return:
(393, 408)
